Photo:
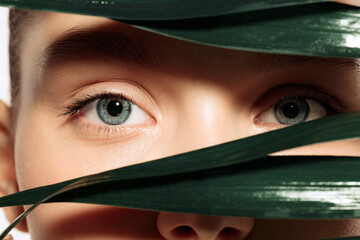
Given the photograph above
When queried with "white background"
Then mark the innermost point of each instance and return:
(5, 96)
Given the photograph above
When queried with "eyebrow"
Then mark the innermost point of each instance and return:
(88, 44)
(266, 62)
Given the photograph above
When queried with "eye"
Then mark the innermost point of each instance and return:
(114, 111)
(291, 111)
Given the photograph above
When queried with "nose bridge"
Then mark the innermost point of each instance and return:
(210, 119)
(181, 226)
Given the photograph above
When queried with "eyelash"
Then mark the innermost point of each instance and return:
(75, 108)
(320, 99)
(325, 101)
(79, 104)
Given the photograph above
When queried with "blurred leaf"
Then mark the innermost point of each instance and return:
(304, 187)
(228, 179)
(324, 29)
(152, 9)
(277, 26)
(273, 187)
(344, 126)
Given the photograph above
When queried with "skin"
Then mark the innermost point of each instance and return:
(349, 2)
(195, 97)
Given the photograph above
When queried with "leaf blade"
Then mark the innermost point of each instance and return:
(237, 152)
(324, 29)
(153, 9)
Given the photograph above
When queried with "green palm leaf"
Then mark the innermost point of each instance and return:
(153, 9)
(273, 187)
(280, 187)
(344, 126)
(318, 29)
(324, 29)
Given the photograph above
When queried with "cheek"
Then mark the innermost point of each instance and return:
(46, 152)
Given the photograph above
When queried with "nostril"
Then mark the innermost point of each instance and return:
(230, 233)
(184, 226)
(184, 232)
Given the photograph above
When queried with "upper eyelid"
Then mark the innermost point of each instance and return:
(288, 91)
(319, 99)
(118, 87)
(79, 104)
(269, 99)
(323, 101)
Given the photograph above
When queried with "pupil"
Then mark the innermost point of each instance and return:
(291, 110)
(115, 108)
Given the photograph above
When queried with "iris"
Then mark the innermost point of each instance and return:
(113, 111)
(292, 111)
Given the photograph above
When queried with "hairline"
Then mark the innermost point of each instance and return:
(19, 22)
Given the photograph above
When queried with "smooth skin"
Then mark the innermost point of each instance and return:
(188, 97)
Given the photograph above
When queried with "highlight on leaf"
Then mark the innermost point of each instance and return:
(239, 171)
(160, 9)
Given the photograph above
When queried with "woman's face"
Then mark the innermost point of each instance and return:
(97, 95)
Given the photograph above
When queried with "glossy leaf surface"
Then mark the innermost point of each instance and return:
(152, 9)
(321, 29)
(324, 29)
(274, 187)
(279, 195)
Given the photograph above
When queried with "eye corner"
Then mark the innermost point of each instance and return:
(257, 119)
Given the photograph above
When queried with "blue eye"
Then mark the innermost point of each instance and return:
(291, 111)
(113, 111)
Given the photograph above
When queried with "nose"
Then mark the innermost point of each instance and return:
(206, 122)
(181, 226)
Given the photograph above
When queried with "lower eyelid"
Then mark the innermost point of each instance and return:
(82, 128)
